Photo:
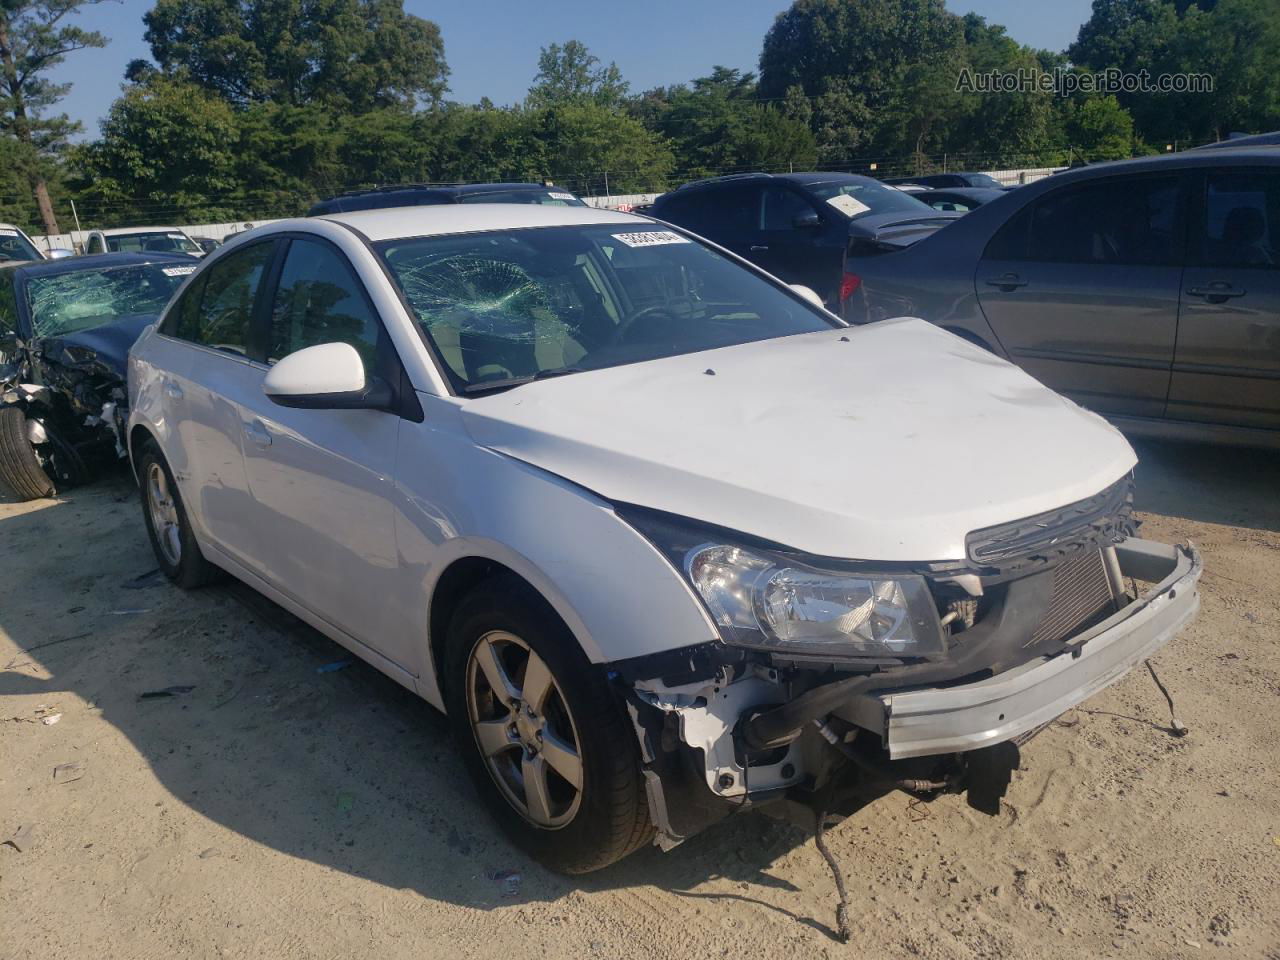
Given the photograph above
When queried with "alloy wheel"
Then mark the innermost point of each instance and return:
(164, 514)
(524, 730)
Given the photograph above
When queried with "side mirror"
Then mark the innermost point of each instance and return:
(809, 218)
(808, 293)
(59, 253)
(328, 376)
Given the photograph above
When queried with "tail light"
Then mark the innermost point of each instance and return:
(849, 283)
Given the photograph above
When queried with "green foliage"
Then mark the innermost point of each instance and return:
(1101, 129)
(570, 74)
(1236, 42)
(718, 125)
(34, 38)
(355, 55)
(165, 142)
(256, 108)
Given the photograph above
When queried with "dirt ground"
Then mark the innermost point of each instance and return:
(274, 810)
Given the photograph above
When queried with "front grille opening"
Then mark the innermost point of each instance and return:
(1082, 596)
(1045, 538)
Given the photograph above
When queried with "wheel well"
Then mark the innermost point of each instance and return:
(459, 579)
(137, 437)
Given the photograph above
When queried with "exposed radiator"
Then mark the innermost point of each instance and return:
(1082, 596)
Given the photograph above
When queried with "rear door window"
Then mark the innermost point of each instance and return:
(1241, 219)
(226, 291)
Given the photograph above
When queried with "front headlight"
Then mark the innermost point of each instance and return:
(770, 600)
(771, 603)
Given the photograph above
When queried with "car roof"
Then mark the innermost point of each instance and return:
(120, 231)
(800, 179)
(1238, 156)
(394, 223)
(97, 261)
(1258, 139)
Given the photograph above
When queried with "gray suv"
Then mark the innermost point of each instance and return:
(1147, 290)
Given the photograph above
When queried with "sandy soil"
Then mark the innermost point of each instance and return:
(274, 811)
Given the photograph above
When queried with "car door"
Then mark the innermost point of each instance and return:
(203, 349)
(798, 242)
(1226, 367)
(1081, 288)
(322, 481)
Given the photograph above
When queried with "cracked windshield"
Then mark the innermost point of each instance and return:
(68, 302)
(504, 308)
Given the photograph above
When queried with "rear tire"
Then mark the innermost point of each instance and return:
(571, 829)
(20, 468)
(172, 539)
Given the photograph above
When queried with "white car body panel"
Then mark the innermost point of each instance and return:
(885, 442)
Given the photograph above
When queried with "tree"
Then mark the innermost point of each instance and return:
(595, 149)
(849, 57)
(33, 40)
(1236, 42)
(167, 152)
(718, 125)
(1101, 129)
(570, 74)
(354, 55)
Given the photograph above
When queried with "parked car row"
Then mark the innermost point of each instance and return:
(597, 485)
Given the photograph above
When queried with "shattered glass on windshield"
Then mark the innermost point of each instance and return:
(505, 307)
(67, 302)
(488, 317)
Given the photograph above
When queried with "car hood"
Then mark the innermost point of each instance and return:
(106, 346)
(885, 442)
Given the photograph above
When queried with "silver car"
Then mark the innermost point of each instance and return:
(1147, 290)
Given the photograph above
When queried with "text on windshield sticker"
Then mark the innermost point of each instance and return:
(650, 238)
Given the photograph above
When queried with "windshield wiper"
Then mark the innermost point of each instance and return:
(486, 385)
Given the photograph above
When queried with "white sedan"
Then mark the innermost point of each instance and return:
(663, 537)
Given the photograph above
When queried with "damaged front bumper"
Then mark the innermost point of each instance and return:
(927, 722)
(690, 714)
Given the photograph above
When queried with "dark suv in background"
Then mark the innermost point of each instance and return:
(1147, 290)
(419, 195)
(800, 227)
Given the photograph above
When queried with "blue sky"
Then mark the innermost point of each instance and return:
(492, 45)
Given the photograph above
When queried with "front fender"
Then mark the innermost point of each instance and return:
(617, 594)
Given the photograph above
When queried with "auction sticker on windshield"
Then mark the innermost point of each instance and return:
(178, 271)
(562, 196)
(649, 238)
(848, 205)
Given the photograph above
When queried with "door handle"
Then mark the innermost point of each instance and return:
(257, 433)
(1007, 282)
(759, 248)
(171, 389)
(1217, 292)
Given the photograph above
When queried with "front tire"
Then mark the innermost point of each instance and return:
(549, 749)
(172, 539)
(20, 468)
